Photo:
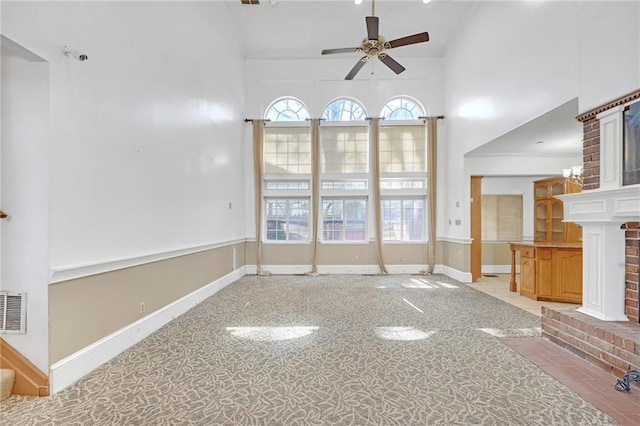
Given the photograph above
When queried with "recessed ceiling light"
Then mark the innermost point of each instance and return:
(425, 1)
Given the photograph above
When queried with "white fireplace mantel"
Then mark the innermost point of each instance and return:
(619, 205)
(601, 212)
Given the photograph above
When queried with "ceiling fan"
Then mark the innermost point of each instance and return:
(375, 45)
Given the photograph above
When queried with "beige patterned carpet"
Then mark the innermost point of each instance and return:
(341, 349)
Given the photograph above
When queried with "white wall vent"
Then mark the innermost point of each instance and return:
(13, 312)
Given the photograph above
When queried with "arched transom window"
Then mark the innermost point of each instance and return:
(287, 109)
(402, 108)
(344, 109)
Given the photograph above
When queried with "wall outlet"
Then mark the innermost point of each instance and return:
(142, 307)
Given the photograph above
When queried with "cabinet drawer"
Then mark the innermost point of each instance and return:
(528, 252)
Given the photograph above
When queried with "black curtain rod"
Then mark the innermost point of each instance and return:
(439, 117)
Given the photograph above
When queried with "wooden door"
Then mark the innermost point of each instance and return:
(476, 227)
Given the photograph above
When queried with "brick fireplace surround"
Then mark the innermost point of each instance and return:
(597, 336)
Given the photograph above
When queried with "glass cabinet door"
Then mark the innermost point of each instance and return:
(541, 190)
(541, 219)
(557, 226)
(557, 188)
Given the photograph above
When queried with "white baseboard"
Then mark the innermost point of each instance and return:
(72, 368)
(464, 277)
(499, 269)
(406, 269)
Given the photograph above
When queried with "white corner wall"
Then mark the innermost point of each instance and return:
(146, 152)
(24, 195)
(515, 61)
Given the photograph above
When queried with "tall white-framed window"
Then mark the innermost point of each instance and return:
(286, 175)
(344, 171)
(403, 171)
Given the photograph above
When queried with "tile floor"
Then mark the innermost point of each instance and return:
(590, 382)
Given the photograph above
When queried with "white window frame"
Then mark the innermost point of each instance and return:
(346, 194)
(407, 193)
(343, 198)
(265, 200)
(424, 218)
(290, 194)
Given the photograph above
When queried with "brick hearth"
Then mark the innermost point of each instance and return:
(612, 346)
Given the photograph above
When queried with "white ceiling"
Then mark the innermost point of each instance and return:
(302, 28)
(555, 133)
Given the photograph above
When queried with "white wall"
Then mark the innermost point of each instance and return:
(609, 51)
(25, 267)
(146, 138)
(516, 60)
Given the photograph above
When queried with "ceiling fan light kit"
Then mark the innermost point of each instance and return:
(374, 45)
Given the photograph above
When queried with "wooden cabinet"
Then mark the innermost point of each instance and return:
(549, 271)
(548, 213)
(528, 272)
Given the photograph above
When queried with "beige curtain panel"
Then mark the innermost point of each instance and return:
(258, 136)
(432, 185)
(315, 192)
(375, 183)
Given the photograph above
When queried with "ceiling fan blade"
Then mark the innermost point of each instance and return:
(372, 27)
(391, 63)
(412, 39)
(357, 67)
(341, 50)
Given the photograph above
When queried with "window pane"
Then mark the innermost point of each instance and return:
(287, 150)
(401, 109)
(402, 184)
(391, 220)
(287, 219)
(344, 149)
(332, 226)
(402, 149)
(344, 184)
(403, 220)
(287, 109)
(286, 184)
(344, 220)
(412, 220)
(344, 110)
